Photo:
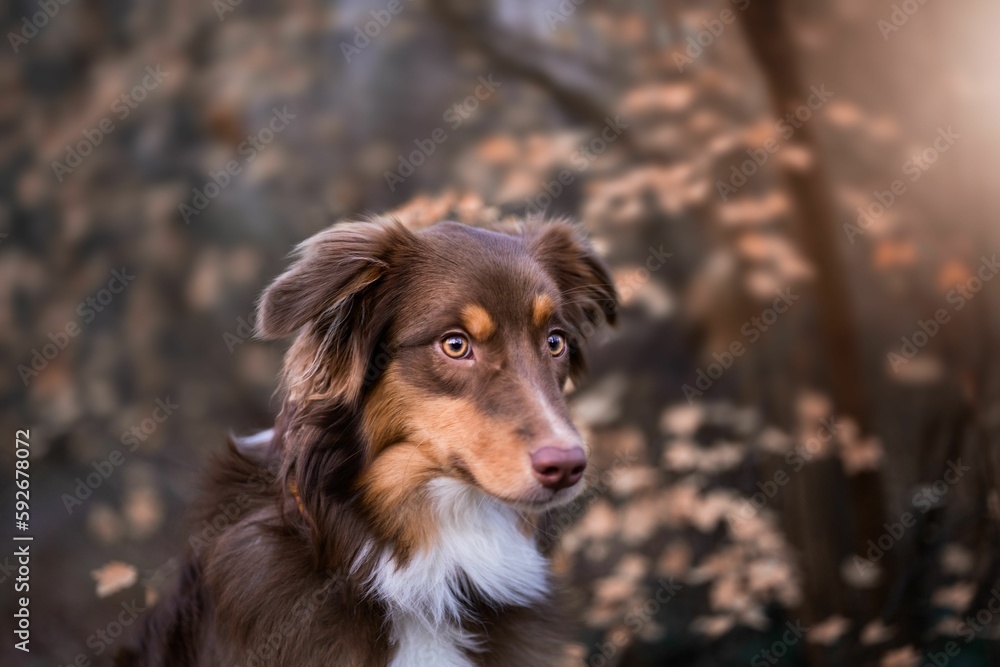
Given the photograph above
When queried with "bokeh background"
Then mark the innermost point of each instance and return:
(799, 203)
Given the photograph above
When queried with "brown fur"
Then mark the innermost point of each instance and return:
(371, 412)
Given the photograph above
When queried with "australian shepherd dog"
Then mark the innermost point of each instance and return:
(390, 516)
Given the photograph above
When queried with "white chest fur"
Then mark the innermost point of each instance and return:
(479, 541)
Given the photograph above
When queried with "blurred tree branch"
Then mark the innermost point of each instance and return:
(572, 82)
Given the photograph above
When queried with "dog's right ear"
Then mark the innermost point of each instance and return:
(331, 271)
(331, 297)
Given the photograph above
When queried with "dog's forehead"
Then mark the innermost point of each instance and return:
(473, 243)
(480, 273)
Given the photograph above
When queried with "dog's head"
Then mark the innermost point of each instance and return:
(450, 347)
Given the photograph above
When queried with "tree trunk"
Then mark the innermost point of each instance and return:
(770, 41)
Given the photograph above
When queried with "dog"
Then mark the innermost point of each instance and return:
(390, 516)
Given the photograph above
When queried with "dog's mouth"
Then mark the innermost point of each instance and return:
(536, 503)
(556, 499)
(537, 500)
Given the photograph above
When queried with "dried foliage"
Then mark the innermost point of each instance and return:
(736, 491)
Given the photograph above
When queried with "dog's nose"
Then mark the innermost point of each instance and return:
(559, 468)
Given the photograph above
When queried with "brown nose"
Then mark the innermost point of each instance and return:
(559, 468)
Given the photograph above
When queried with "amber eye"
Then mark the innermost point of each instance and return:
(456, 346)
(557, 344)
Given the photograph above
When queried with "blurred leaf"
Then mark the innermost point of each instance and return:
(113, 577)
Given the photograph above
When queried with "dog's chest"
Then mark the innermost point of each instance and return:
(479, 546)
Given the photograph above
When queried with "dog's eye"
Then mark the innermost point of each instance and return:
(557, 344)
(456, 346)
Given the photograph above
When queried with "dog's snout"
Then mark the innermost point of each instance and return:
(558, 467)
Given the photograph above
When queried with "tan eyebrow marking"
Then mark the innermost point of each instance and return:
(477, 321)
(542, 309)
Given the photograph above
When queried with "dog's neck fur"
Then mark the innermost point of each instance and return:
(480, 550)
(477, 554)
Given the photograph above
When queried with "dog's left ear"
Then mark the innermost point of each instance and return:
(589, 295)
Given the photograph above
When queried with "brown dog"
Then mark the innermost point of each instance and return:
(388, 518)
